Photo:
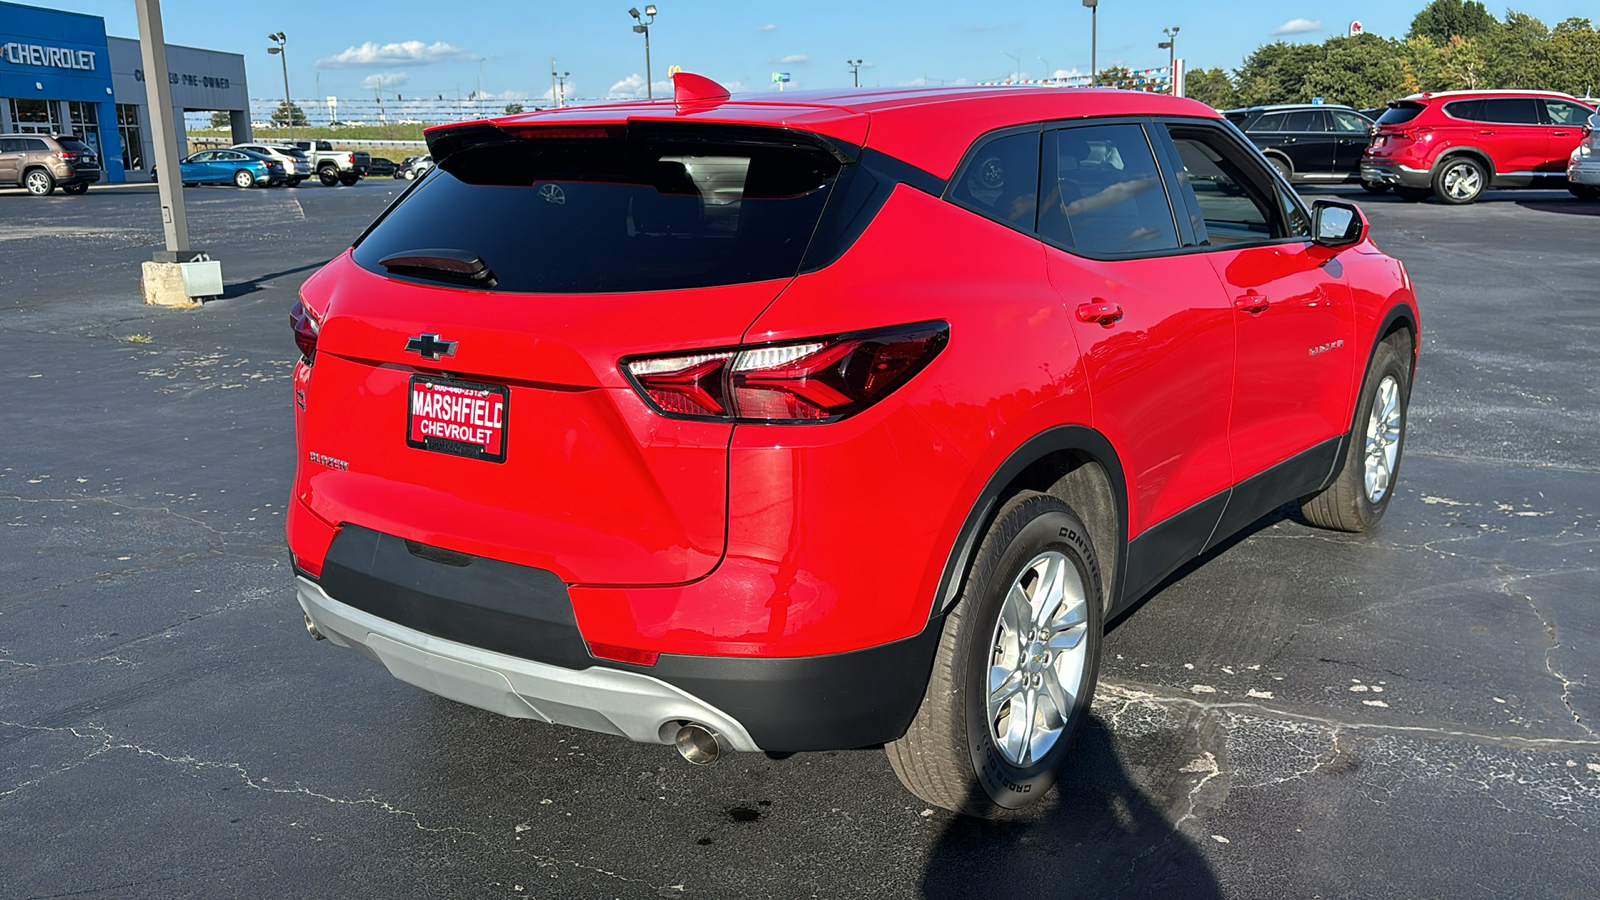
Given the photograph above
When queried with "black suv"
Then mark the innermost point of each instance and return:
(1309, 142)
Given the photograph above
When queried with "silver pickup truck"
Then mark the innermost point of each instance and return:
(332, 166)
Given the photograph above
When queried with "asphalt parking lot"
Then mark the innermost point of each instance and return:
(1409, 713)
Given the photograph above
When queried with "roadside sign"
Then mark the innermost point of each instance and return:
(1317, 100)
(1355, 28)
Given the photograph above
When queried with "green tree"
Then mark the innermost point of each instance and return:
(1211, 86)
(1423, 65)
(1443, 19)
(1463, 64)
(513, 108)
(1572, 58)
(288, 114)
(1513, 53)
(1276, 73)
(1364, 70)
(220, 120)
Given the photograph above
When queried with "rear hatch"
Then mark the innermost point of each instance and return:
(78, 154)
(528, 266)
(1394, 130)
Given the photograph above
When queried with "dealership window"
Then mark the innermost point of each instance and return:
(35, 116)
(85, 121)
(132, 139)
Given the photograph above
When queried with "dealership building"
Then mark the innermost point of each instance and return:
(60, 74)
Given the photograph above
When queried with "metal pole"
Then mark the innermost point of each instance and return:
(158, 93)
(649, 89)
(288, 105)
(553, 81)
(1094, 44)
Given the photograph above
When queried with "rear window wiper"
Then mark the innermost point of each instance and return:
(442, 264)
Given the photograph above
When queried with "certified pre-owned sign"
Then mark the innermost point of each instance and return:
(53, 57)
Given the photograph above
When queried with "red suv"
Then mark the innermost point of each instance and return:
(1458, 144)
(808, 422)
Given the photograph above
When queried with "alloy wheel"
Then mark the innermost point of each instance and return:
(1463, 181)
(38, 183)
(1038, 657)
(1383, 439)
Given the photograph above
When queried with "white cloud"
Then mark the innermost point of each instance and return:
(385, 80)
(796, 58)
(1067, 73)
(632, 88)
(768, 27)
(405, 53)
(1298, 26)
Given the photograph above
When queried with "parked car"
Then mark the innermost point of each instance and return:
(1318, 143)
(844, 437)
(43, 162)
(296, 166)
(404, 164)
(380, 167)
(332, 166)
(1458, 144)
(415, 166)
(1583, 166)
(243, 168)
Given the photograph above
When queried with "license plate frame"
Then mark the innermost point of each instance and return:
(419, 424)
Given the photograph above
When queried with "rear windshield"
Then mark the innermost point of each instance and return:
(615, 215)
(1400, 113)
(75, 145)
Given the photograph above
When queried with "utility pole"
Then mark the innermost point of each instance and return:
(644, 28)
(563, 96)
(1094, 40)
(158, 93)
(288, 106)
(553, 81)
(855, 69)
(1171, 46)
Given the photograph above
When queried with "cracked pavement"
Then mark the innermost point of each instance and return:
(1411, 712)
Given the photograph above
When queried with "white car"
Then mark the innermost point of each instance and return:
(294, 160)
(1583, 167)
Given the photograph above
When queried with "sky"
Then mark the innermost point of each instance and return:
(407, 47)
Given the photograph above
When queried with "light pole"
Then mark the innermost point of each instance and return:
(644, 28)
(1018, 60)
(288, 105)
(563, 78)
(1171, 46)
(1094, 29)
(855, 69)
(1049, 73)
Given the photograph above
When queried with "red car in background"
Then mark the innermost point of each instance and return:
(814, 421)
(1457, 144)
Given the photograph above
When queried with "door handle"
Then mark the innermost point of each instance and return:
(1290, 140)
(1251, 301)
(1561, 134)
(1486, 131)
(1099, 312)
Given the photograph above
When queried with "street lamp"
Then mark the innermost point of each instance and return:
(1018, 60)
(1171, 46)
(1049, 73)
(288, 105)
(563, 78)
(644, 28)
(855, 69)
(1094, 28)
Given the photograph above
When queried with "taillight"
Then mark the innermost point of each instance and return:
(305, 331)
(67, 156)
(1419, 133)
(814, 380)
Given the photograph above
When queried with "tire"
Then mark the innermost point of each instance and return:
(1372, 187)
(953, 755)
(293, 182)
(349, 180)
(1360, 493)
(39, 182)
(1584, 191)
(1459, 180)
(1283, 167)
(410, 175)
(328, 175)
(243, 178)
(1411, 194)
(75, 189)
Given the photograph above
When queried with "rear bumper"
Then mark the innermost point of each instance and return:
(1584, 170)
(1394, 174)
(79, 176)
(504, 637)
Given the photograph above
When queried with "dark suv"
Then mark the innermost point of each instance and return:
(41, 163)
(1309, 142)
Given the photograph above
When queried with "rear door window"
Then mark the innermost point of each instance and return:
(639, 213)
(1511, 110)
(1269, 122)
(1000, 180)
(1103, 194)
(1306, 120)
(35, 144)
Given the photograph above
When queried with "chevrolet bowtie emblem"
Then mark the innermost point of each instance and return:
(431, 347)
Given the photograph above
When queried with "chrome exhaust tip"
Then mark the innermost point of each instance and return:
(311, 629)
(698, 744)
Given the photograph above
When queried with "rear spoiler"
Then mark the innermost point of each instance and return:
(446, 140)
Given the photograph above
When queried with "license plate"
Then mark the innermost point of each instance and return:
(461, 418)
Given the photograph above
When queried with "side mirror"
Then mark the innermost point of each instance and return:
(1335, 223)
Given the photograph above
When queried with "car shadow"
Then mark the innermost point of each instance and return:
(1571, 207)
(1098, 835)
(242, 288)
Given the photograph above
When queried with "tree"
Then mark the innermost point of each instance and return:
(220, 120)
(1572, 58)
(288, 114)
(1423, 66)
(513, 108)
(1443, 19)
(1275, 73)
(1211, 86)
(1463, 63)
(1361, 71)
(1513, 52)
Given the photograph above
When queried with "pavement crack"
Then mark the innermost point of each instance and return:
(1549, 662)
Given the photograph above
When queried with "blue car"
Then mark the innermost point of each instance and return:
(242, 167)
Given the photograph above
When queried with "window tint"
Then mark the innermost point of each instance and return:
(1511, 110)
(1103, 193)
(10, 145)
(1001, 180)
(203, 156)
(1349, 122)
(633, 214)
(1560, 112)
(1269, 122)
(1400, 113)
(1238, 201)
(1306, 120)
(1465, 110)
(35, 144)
